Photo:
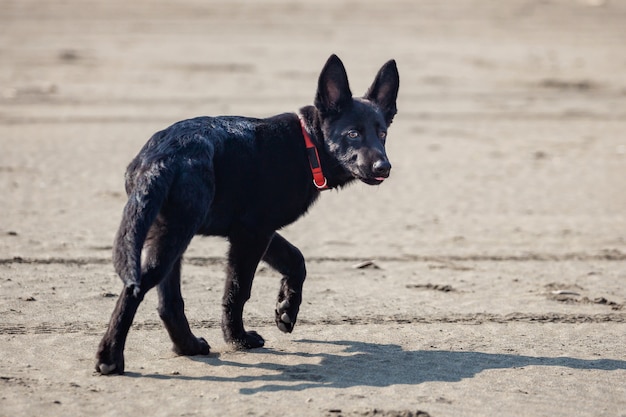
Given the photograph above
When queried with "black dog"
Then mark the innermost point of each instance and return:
(241, 178)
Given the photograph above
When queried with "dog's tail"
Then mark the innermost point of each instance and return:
(147, 188)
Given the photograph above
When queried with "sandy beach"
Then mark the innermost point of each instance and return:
(497, 279)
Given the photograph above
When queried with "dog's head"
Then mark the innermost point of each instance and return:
(355, 128)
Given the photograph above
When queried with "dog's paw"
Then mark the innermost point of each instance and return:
(285, 315)
(195, 346)
(108, 366)
(249, 340)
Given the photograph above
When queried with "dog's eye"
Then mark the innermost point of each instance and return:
(353, 134)
(382, 134)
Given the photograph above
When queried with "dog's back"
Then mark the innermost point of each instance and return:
(257, 167)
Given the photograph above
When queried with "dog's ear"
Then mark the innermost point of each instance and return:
(333, 91)
(384, 90)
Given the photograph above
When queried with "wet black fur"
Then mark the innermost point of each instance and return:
(241, 178)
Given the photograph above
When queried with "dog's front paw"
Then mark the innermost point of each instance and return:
(249, 340)
(286, 315)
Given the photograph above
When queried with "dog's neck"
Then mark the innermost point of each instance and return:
(319, 180)
(334, 174)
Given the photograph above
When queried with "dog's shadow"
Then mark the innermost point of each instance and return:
(380, 365)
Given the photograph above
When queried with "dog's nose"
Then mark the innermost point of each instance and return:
(381, 168)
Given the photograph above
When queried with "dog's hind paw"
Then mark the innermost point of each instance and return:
(250, 340)
(108, 361)
(105, 368)
(198, 346)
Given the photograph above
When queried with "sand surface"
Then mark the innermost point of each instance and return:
(499, 242)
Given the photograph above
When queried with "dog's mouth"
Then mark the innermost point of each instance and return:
(369, 176)
(372, 180)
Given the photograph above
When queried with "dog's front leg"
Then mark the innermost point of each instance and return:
(288, 260)
(246, 250)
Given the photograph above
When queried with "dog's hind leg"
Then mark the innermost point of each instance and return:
(288, 260)
(164, 247)
(246, 249)
(180, 218)
(167, 239)
(110, 355)
(172, 312)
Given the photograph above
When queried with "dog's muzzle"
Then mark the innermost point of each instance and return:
(381, 169)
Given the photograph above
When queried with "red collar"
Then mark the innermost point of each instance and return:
(319, 180)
